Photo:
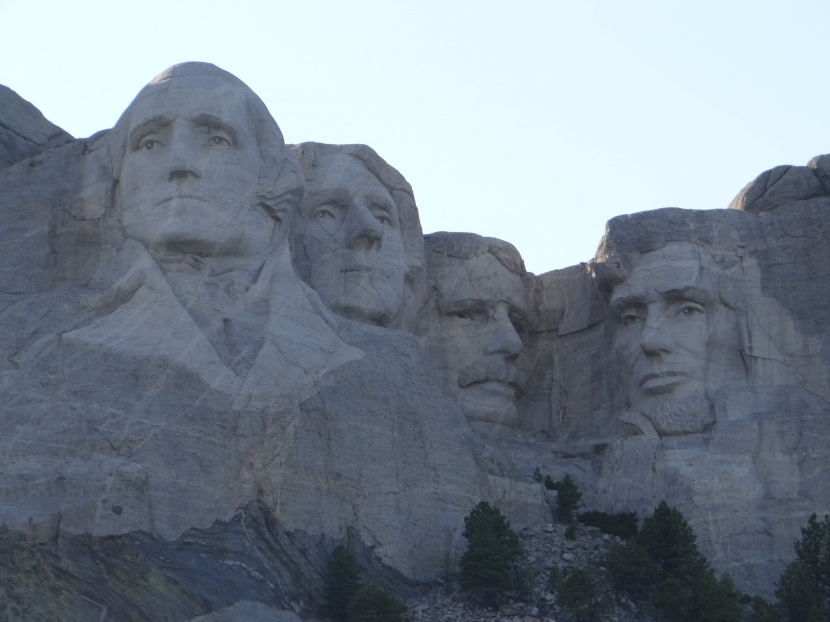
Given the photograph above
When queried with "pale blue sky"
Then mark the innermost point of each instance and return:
(534, 122)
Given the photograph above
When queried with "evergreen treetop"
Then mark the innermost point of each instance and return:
(488, 566)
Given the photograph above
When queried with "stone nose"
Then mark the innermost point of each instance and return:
(503, 337)
(655, 338)
(364, 232)
(182, 160)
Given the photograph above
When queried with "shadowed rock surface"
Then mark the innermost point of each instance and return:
(139, 576)
(189, 430)
(24, 131)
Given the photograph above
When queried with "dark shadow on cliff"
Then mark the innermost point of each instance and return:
(139, 576)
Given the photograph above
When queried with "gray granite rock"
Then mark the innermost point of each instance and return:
(163, 365)
(250, 612)
(470, 324)
(357, 236)
(191, 428)
(707, 382)
(24, 131)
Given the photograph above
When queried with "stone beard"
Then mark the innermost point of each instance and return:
(472, 339)
(674, 337)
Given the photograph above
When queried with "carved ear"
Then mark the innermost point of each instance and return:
(280, 190)
(278, 209)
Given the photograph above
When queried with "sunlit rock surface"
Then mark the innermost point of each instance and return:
(221, 356)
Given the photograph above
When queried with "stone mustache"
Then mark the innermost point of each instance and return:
(206, 329)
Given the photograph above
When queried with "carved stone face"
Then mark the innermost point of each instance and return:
(190, 173)
(350, 232)
(472, 339)
(664, 315)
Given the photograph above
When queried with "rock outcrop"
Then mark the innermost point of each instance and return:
(221, 356)
(24, 131)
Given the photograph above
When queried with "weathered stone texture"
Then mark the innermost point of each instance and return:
(189, 427)
(24, 131)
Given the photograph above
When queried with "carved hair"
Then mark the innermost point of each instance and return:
(443, 246)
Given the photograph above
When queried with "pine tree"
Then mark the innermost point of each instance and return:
(376, 604)
(804, 589)
(662, 567)
(488, 566)
(342, 584)
(568, 499)
(581, 595)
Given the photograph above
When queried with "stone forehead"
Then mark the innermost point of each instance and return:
(677, 264)
(675, 253)
(197, 72)
(315, 157)
(196, 76)
(482, 277)
(337, 163)
(446, 248)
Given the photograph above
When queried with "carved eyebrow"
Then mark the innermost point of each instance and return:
(383, 200)
(695, 294)
(146, 127)
(618, 305)
(342, 196)
(209, 120)
(313, 200)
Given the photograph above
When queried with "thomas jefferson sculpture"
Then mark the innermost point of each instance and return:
(358, 240)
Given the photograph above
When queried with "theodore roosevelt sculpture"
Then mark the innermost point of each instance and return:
(469, 325)
(358, 241)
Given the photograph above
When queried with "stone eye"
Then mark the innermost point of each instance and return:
(146, 145)
(323, 214)
(628, 318)
(220, 140)
(464, 315)
(690, 310)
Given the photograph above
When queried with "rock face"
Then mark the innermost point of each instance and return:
(705, 381)
(221, 356)
(176, 369)
(24, 131)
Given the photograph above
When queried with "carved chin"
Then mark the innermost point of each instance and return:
(362, 309)
(671, 417)
(490, 402)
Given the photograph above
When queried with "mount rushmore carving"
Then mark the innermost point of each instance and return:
(215, 343)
